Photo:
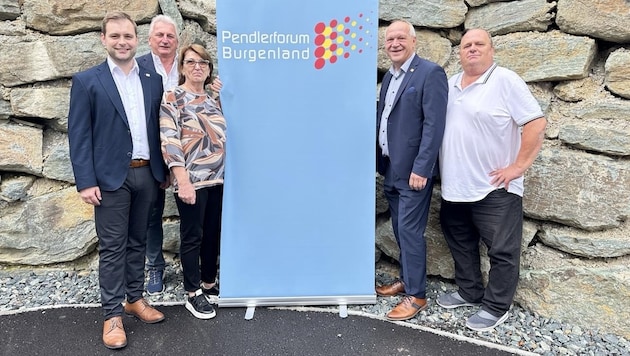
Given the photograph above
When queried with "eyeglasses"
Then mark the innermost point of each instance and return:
(203, 63)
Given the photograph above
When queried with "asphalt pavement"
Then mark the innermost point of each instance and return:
(272, 331)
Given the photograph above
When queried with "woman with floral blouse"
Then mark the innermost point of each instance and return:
(193, 133)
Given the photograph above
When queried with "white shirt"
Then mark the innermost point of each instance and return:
(132, 96)
(390, 96)
(169, 81)
(483, 133)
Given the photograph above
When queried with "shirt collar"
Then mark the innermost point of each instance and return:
(157, 60)
(483, 79)
(403, 69)
(113, 66)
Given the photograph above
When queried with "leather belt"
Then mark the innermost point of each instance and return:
(135, 163)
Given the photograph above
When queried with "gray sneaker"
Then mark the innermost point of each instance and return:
(454, 300)
(484, 321)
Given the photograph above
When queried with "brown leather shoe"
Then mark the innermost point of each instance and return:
(143, 311)
(408, 308)
(390, 290)
(114, 336)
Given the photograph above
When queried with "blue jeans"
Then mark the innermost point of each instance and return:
(155, 235)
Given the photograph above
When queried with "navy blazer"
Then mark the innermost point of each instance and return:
(416, 123)
(98, 130)
(146, 61)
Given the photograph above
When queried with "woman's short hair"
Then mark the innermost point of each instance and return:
(203, 53)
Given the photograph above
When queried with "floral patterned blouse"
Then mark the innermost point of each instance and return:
(193, 133)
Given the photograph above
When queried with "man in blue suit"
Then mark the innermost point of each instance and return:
(113, 133)
(163, 41)
(410, 119)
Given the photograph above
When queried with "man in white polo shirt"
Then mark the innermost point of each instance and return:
(494, 131)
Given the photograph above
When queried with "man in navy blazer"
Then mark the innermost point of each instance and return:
(163, 41)
(410, 119)
(113, 133)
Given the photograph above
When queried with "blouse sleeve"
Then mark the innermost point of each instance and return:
(170, 131)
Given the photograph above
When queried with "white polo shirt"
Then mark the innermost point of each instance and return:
(483, 133)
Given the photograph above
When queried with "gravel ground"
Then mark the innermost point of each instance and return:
(26, 289)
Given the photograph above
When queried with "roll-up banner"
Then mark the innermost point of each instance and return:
(299, 97)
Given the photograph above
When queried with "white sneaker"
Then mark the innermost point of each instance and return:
(199, 306)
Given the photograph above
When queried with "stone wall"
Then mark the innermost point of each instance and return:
(575, 55)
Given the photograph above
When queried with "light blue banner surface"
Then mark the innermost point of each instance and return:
(299, 97)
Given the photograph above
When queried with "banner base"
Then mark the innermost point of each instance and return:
(300, 301)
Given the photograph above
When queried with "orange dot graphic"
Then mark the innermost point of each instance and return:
(333, 59)
(333, 23)
(347, 19)
(333, 35)
(319, 63)
(333, 47)
(346, 55)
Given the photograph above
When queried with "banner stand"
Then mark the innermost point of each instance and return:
(299, 98)
(341, 301)
(343, 306)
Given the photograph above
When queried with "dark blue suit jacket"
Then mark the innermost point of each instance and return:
(98, 130)
(416, 123)
(146, 61)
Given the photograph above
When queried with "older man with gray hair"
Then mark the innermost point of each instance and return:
(163, 41)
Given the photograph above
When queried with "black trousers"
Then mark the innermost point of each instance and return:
(497, 221)
(121, 225)
(200, 230)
